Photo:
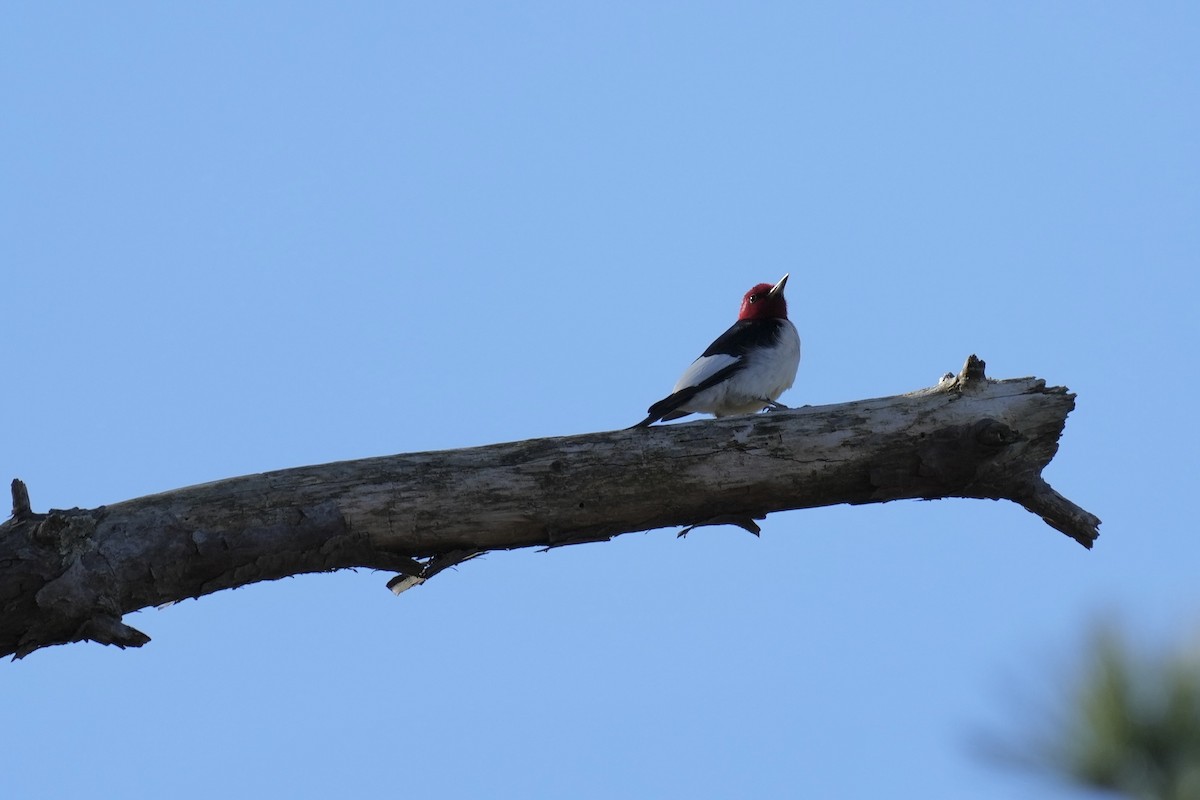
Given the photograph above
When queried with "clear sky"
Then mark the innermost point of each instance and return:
(245, 236)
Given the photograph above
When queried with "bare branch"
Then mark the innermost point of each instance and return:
(70, 575)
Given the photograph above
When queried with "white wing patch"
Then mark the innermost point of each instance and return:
(704, 368)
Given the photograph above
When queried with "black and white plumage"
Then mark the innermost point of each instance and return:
(745, 369)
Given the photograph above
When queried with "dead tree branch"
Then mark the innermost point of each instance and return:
(70, 575)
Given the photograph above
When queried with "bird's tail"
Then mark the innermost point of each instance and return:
(667, 408)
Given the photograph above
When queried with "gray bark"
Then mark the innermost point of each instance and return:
(70, 575)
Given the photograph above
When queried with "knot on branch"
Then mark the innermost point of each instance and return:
(948, 462)
(993, 434)
(972, 371)
(970, 378)
(65, 532)
(952, 456)
(20, 497)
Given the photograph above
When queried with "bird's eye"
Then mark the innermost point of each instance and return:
(753, 298)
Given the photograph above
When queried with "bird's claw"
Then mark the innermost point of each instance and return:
(771, 405)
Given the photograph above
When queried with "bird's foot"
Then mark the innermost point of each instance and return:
(771, 405)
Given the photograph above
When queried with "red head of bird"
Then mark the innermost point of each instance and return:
(765, 302)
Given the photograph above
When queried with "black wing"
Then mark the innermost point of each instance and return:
(746, 335)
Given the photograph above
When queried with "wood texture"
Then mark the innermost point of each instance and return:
(70, 575)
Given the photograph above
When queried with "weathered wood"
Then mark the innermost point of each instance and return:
(70, 575)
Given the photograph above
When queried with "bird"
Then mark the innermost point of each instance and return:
(745, 370)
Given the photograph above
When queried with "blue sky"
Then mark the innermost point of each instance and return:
(239, 237)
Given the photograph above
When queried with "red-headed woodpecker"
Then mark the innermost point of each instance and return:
(745, 369)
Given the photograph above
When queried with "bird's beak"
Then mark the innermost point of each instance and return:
(777, 289)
